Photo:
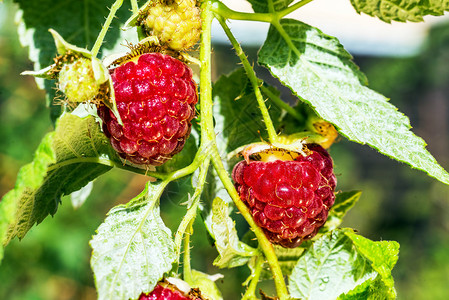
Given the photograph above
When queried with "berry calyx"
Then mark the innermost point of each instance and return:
(288, 196)
(155, 96)
(176, 23)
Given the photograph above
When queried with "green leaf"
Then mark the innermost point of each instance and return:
(232, 252)
(343, 203)
(288, 258)
(7, 209)
(370, 289)
(206, 284)
(237, 116)
(79, 197)
(78, 22)
(318, 69)
(65, 161)
(399, 10)
(184, 158)
(336, 264)
(132, 248)
(383, 256)
(262, 6)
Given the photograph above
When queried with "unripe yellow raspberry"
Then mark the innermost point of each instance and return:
(176, 23)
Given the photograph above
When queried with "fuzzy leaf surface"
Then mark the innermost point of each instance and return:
(335, 264)
(262, 6)
(399, 10)
(318, 69)
(78, 22)
(232, 252)
(66, 160)
(383, 256)
(288, 258)
(132, 248)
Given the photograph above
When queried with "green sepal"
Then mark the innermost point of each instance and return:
(206, 284)
(62, 46)
(45, 73)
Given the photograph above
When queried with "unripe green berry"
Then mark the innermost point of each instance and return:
(77, 80)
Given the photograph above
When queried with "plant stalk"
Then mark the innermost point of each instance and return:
(250, 293)
(292, 8)
(227, 13)
(208, 141)
(281, 104)
(187, 269)
(96, 48)
(264, 243)
(134, 6)
(192, 210)
(253, 79)
(222, 10)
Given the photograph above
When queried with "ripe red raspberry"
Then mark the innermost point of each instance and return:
(167, 291)
(156, 99)
(289, 200)
(163, 293)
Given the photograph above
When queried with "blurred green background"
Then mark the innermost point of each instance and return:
(52, 261)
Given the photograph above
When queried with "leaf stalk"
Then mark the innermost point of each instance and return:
(253, 79)
(221, 9)
(250, 293)
(192, 210)
(96, 48)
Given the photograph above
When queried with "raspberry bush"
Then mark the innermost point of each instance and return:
(135, 104)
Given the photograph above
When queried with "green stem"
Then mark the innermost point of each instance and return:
(208, 141)
(199, 158)
(227, 13)
(222, 10)
(192, 210)
(96, 48)
(286, 37)
(264, 243)
(281, 104)
(187, 270)
(292, 8)
(134, 6)
(253, 79)
(207, 124)
(271, 7)
(105, 162)
(250, 292)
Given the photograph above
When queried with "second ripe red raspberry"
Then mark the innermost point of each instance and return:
(156, 98)
(288, 199)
